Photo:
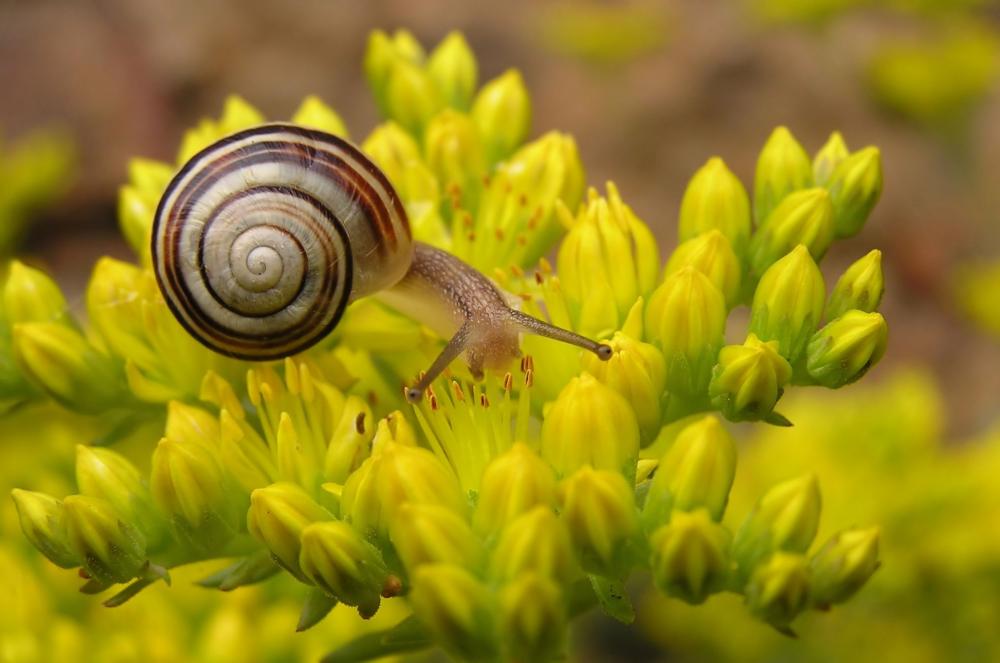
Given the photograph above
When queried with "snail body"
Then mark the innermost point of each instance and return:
(263, 238)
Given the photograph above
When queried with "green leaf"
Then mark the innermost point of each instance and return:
(317, 606)
(406, 636)
(612, 598)
(777, 419)
(245, 571)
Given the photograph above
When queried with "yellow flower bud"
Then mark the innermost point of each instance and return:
(313, 113)
(137, 201)
(860, 287)
(711, 254)
(547, 168)
(457, 609)
(244, 454)
(29, 295)
(828, 158)
(696, 472)
(855, 187)
(535, 542)
(801, 218)
(788, 303)
(785, 518)
(430, 534)
(237, 114)
(607, 261)
(395, 474)
(189, 485)
(43, 522)
(843, 565)
(411, 97)
(686, 317)
(779, 589)
(115, 308)
(598, 508)
(590, 424)
(532, 619)
(392, 149)
(60, 360)
(112, 550)
(453, 68)
(340, 561)
(187, 423)
(277, 516)
(748, 380)
(350, 442)
(689, 557)
(454, 150)
(637, 371)
(111, 477)
(513, 483)
(502, 111)
(380, 54)
(782, 167)
(715, 199)
(845, 349)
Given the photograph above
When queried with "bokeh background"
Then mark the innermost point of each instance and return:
(650, 90)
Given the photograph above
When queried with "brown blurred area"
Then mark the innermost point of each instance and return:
(126, 77)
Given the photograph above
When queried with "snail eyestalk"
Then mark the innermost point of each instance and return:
(540, 328)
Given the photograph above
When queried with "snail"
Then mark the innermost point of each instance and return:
(262, 239)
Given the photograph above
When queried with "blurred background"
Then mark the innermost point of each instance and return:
(650, 90)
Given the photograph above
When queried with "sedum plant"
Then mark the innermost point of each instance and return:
(499, 510)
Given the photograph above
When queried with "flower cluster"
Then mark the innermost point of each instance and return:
(499, 509)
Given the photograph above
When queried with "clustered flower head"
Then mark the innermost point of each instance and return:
(496, 510)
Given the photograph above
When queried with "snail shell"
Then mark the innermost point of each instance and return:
(262, 239)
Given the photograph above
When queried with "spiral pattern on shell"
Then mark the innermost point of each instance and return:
(262, 238)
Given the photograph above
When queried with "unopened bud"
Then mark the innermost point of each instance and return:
(453, 68)
(317, 115)
(689, 556)
(44, 524)
(532, 619)
(411, 98)
(590, 424)
(457, 609)
(61, 361)
(779, 589)
(802, 218)
(715, 199)
(598, 507)
(454, 150)
(430, 534)
(339, 560)
(711, 254)
(749, 379)
(782, 167)
(695, 473)
(845, 349)
(855, 187)
(395, 474)
(686, 317)
(535, 542)
(502, 111)
(788, 303)
(860, 287)
(513, 483)
(189, 485)
(29, 295)
(785, 519)
(277, 516)
(108, 475)
(112, 550)
(828, 158)
(843, 565)
(637, 371)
